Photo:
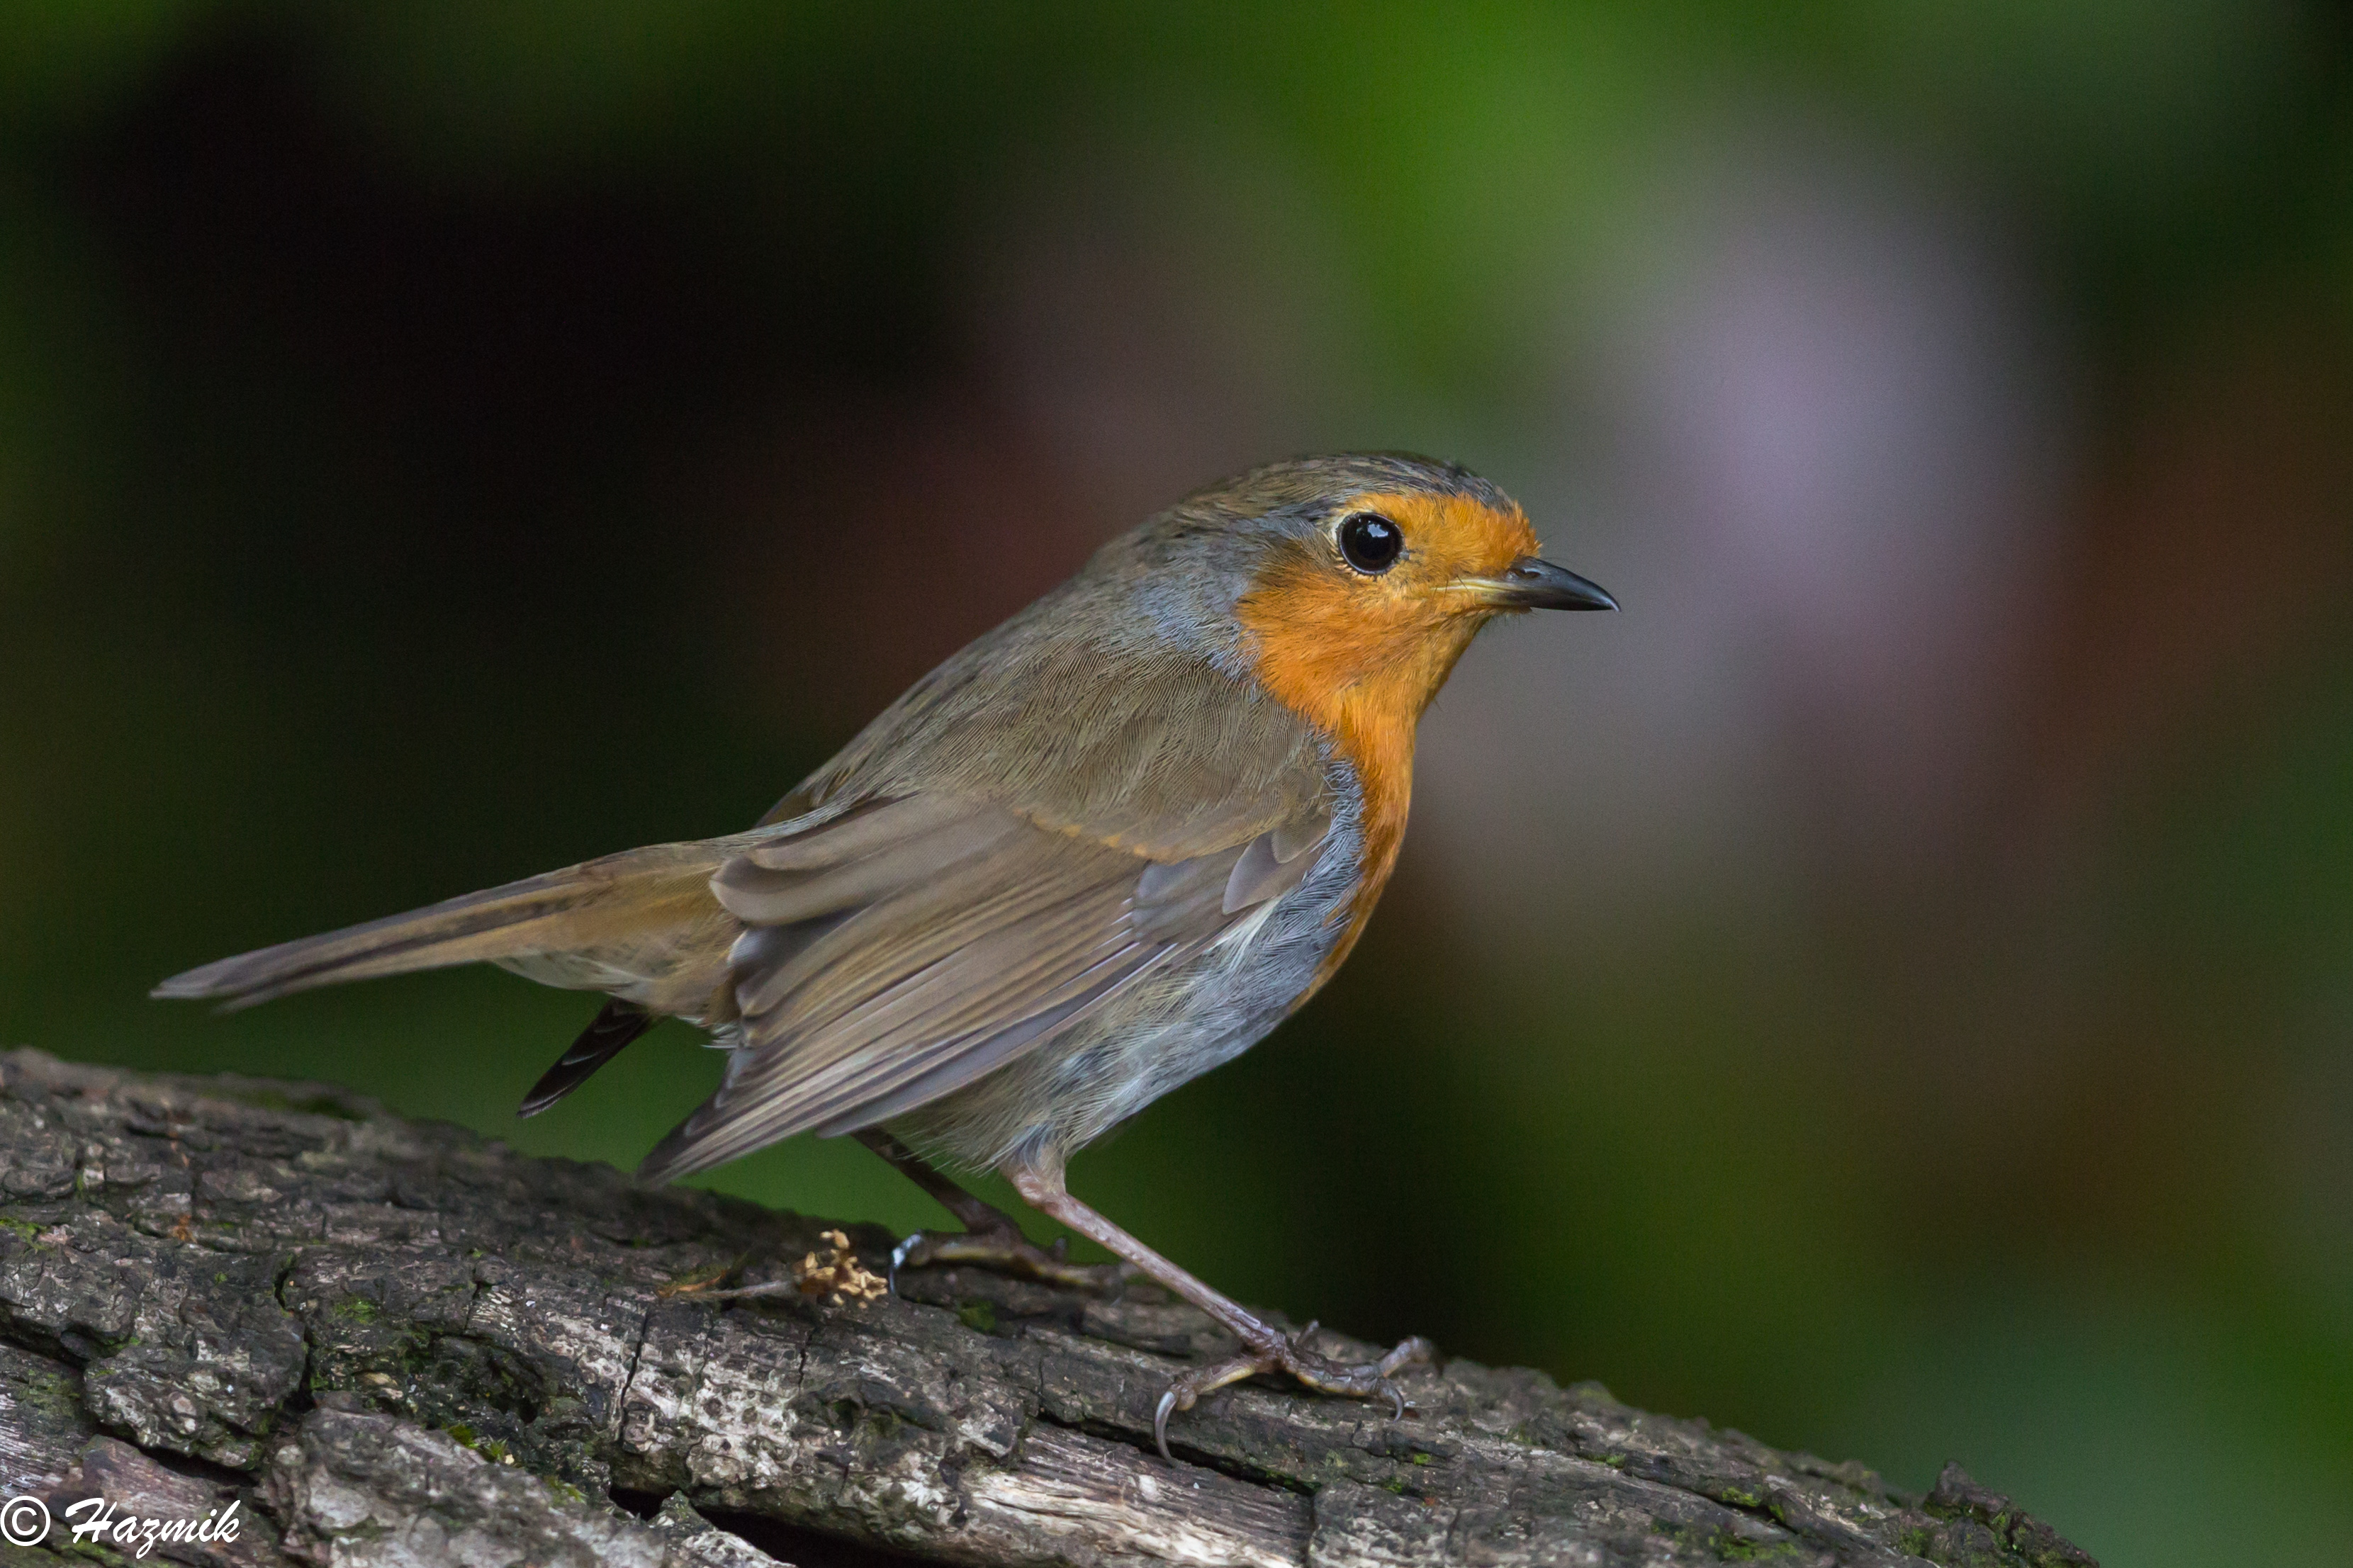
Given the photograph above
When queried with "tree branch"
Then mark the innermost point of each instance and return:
(392, 1342)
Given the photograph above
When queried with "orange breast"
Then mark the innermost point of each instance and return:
(1359, 661)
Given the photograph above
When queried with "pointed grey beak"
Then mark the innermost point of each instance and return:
(1533, 585)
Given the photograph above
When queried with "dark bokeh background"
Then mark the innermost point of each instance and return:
(1890, 990)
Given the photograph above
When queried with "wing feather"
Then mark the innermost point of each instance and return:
(898, 951)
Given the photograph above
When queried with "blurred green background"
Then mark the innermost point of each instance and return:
(1889, 991)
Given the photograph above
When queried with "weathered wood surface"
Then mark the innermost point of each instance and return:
(394, 1342)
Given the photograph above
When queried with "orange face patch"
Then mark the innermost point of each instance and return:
(1360, 656)
(1346, 648)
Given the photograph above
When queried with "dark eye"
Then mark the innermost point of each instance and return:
(1371, 543)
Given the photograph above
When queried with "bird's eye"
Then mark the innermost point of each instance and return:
(1371, 543)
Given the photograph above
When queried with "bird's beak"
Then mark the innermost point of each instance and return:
(1533, 585)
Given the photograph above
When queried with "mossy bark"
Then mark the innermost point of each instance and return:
(396, 1343)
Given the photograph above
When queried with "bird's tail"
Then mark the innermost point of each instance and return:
(590, 911)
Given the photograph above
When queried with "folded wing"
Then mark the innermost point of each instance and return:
(896, 951)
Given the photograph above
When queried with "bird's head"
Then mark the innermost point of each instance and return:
(1350, 585)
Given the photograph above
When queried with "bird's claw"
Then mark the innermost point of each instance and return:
(899, 1254)
(1008, 1252)
(1288, 1354)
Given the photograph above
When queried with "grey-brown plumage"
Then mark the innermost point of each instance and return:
(963, 885)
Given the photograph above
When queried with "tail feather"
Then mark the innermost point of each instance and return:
(590, 906)
(618, 1023)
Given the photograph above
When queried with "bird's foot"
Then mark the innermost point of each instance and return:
(1007, 1251)
(1279, 1352)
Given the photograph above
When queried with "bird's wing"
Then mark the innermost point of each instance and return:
(896, 951)
(1154, 749)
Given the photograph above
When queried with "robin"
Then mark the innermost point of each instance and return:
(1105, 848)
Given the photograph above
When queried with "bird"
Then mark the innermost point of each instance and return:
(1105, 848)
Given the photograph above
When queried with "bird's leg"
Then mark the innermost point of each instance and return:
(990, 1238)
(1265, 1347)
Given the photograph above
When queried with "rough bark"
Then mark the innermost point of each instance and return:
(394, 1343)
